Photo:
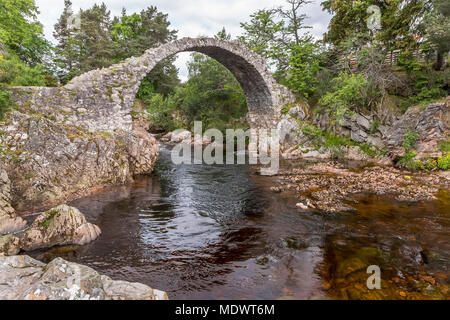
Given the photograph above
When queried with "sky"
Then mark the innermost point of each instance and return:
(191, 18)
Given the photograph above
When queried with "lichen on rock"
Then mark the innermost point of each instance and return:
(24, 278)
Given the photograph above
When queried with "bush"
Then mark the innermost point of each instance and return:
(409, 142)
(407, 161)
(14, 72)
(351, 92)
(430, 164)
(304, 67)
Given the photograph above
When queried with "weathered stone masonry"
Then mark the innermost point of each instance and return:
(102, 100)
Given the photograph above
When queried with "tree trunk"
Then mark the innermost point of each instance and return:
(439, 61)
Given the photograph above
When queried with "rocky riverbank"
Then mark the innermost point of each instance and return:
(331, 186)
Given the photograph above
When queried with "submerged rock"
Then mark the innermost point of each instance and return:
(23, 278)
(62, 225)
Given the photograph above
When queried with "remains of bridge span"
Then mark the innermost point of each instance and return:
(102, 100)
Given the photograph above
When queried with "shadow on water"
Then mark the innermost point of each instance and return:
(218, 232)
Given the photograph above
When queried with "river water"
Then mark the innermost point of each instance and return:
(218, 232)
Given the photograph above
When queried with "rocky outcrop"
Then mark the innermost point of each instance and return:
(9, 221)
(143, 151)
(23, 278)
(9, 245)
(432, 126)
(50, 162)
(62, 225)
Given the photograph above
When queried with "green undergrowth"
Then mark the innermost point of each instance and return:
(335, 143)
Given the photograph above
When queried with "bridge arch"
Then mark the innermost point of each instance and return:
(118, 84)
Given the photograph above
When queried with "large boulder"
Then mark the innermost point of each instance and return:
(23, 278)
(9, 221)
(181, 135)
(9, 245)
(62, 225)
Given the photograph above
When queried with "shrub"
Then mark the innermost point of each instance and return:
(351, 92)
(418, 165)
(430, 164)
(16, 73)
(409, 142)
(407, 160)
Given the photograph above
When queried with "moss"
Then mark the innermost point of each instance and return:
(28, 176)
(444, 146)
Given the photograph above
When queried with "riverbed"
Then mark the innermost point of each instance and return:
(220, 232)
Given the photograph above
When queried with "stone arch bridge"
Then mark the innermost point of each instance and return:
(102, 100)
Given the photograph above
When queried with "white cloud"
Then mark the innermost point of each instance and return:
(191, 18)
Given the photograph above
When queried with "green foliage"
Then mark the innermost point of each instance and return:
(430, 164)
(6, 102)
(349, 94)
(407, 160)
(14, 72)
(162, 110)
(397, 21)
(410, 139)
(21, 33)
(334, 143)
(304, 67)
(444, 146)
(212, 94)
(274, 33)
(427, 85)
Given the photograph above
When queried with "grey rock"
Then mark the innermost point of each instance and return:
(9, 245)
(23, 278)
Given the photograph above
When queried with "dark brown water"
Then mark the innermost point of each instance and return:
(218, 232)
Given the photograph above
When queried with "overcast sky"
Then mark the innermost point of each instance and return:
(191, 18)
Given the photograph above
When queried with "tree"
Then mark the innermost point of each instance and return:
(135, 33)
(305, 63)
(21, 33)
(437, 26)
(94, 39)
(275, 33)
(399, 21)
(68, 48)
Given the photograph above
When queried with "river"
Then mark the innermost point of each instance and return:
(218, 232)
